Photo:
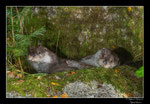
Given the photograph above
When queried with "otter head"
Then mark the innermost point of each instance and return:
(108, 59)
(39, 55)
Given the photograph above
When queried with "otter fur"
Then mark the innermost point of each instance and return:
(45, 61)
(102, 58)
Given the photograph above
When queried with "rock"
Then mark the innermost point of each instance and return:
(79, 89)
(57, 77)
(14, 94)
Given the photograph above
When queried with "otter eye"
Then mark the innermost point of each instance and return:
(39, 52)
(105, 62)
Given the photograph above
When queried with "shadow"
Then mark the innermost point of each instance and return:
(126, 58)
(136, 64)
(59, 52)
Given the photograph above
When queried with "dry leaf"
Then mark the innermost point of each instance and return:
(48, 95)
(11, 75)
(70, 73)
(55, 96)
(113, 46)
(39, 77)
(56, 84)
(73, 72)
(130, 95)
(19, 81)
(116, 70)
(8, 72)
(19, 76)
(65, 95)
(125, 95)
(129, 9)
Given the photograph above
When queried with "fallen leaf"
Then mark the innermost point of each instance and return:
(125, 95)
(130, 95)
(11, 75)
(70, 73)
(129, 9)
(56, 84)
(19, 76)
(113, 46)
(48, 95)
(39, 77)
(8, 72)
(19, 81)
(116, 70)
(54, 96)
(65, 95)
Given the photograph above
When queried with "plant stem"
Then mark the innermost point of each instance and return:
(20, 65)
(12, 25)
(20, 18)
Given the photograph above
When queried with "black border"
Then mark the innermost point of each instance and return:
(4, 100)
(74, 2)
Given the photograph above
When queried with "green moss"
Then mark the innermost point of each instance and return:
(120, 31)
(124, 80)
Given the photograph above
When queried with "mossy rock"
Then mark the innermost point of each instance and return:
(75, 32)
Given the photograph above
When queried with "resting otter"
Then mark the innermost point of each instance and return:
(45, 61)
(103, 58)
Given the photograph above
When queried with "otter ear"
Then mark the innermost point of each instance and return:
(106, 51)
(30, 49)
(45, 49)
(102, 54)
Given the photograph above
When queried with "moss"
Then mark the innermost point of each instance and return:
(124, 80)
(96, 31)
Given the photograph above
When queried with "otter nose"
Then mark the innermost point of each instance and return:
(33, 55)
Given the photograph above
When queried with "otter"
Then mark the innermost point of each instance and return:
(45, 61)
(102, 58)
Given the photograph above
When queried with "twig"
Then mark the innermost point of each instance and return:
(20, 65)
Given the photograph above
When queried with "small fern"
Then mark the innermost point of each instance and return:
(22, 42)
(38, 33)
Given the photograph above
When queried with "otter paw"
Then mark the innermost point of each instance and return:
(69, 62)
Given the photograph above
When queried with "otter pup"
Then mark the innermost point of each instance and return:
(103, 58)
(45, 61)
